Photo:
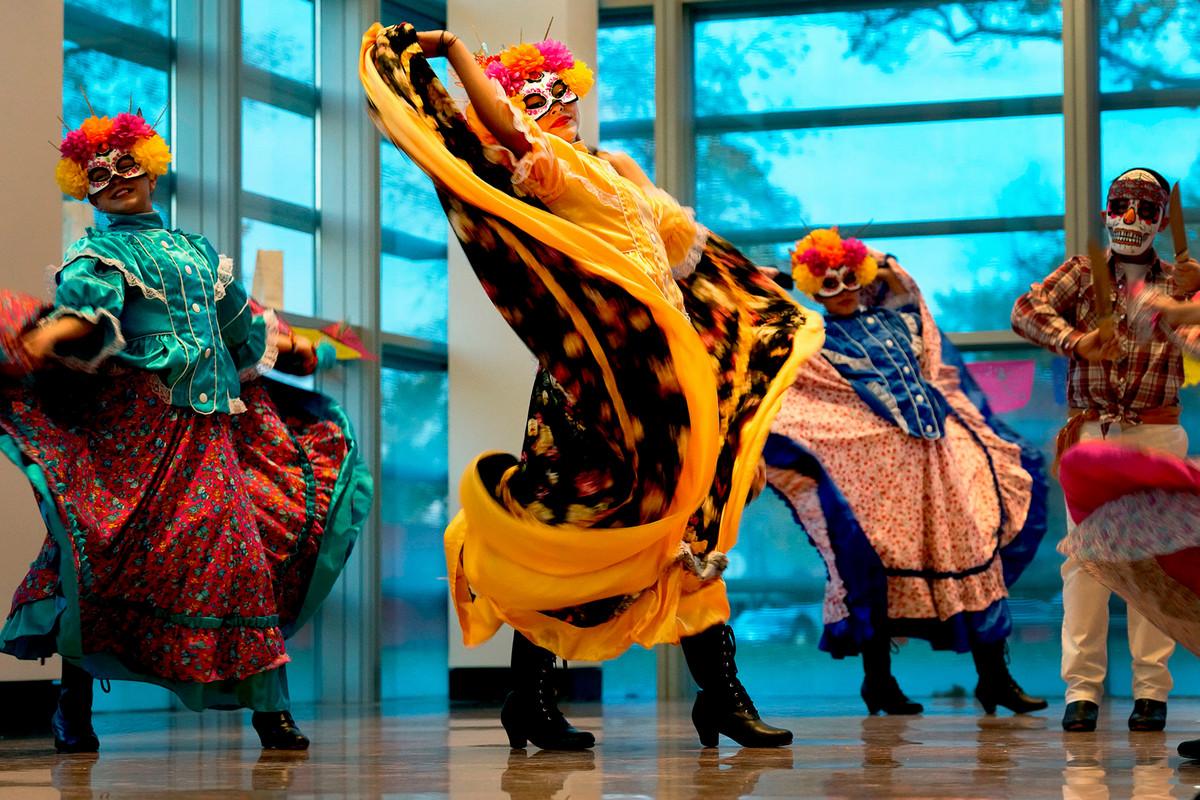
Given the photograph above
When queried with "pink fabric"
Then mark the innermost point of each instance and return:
(923, 505)
(1096, 472)
(1007, 384)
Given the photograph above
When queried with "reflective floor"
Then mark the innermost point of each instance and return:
(644, 751)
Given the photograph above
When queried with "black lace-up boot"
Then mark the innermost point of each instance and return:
(997, 687)
(879, 688)
(72, 720)
(530, 711)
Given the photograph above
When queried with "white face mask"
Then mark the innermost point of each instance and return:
(1137, 205)
(544, 91)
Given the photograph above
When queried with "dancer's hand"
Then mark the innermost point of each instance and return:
(1095, 346)
(39, 346)
(1187, 276)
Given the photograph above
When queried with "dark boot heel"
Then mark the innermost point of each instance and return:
(706, 726)
(72, 720)
(509, 718)
(996, 686)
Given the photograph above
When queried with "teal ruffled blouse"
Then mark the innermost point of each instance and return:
(164, 302)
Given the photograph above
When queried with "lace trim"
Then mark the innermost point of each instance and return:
(130, 278)
(270, 355)
(688, 265)
(97, 317)
(224, 275)
(610, 199)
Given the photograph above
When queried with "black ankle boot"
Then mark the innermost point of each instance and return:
(278, 731)
(723, 706)
(879, 688)
(530, 711)
(72, 720)
(996, 686)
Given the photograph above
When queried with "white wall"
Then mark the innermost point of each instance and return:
(30, 238)
(491, 372)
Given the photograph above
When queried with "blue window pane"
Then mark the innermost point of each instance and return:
(864, 58)
(277, 36)
(950, 170)
(625, 72)
(299, 273)
(152, 15)
(414, 298)
(641, 149)
(969, 280)
(112, 85)
(1149, 45)
(1165, 139)
(413, 498)
(278, 153)
(408, 202)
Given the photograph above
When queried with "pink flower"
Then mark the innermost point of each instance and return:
(127, 129)
(854, 252)
(556, 54)
(814, 259)
(509, 81)
(77, 147)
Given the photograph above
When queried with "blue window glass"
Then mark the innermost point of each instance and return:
(1149, 45)
(299, 274)
(625, 80)
(153, 16)
(278, 36)
(278, 153)
(413, 491)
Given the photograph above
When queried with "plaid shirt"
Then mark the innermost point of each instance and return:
(1056, 313)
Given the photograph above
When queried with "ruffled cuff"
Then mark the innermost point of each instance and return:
(224, 275)
(88, 353)
(266, 325)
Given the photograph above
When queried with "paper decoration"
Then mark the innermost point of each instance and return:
(1007, 384)
(343, 338)
(268, 278)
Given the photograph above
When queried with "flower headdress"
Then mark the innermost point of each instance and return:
(824, 251)
(528, 63)
(101, 141)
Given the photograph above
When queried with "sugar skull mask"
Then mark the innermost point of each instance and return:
(1137, 206)
(543, 90)
(103, 167)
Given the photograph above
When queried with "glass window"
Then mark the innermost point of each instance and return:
(989, 179)
(299, 252)
(278, 153)
(277, 36)
(279, 140)
(150, 15)
(625, 79)
(1149, 45)
(413, 491)
(880, 57)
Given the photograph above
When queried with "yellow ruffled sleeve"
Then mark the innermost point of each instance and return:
(683, 238)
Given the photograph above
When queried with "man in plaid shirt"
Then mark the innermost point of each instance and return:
(1118, 388)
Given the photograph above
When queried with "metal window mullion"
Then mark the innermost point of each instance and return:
(1081, 121)
(206, 119)
(428, 353)
(280, 212)
(115, 38)
(880, 230)
(276, 90)
(400, 243)
(348, 643)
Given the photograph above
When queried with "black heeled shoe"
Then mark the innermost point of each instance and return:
(887, 697)
(723, 706)
(1148, 715)
(278, 731)
(530, 712)
(997, 687)
(72, 720)
(1080, 716)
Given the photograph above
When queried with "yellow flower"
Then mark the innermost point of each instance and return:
(71, 178)
(579, 78)
(152, 154)
(523, 59)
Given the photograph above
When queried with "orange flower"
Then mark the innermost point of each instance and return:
(523, 59)
(97, 129)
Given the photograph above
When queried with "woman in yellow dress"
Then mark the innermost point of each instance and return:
(663, 354)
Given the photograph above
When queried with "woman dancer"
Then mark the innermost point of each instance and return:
(662, 353)
(922, 505)
(197, 514)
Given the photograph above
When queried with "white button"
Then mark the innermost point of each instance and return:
(196, 307)
(166, 245)
(207, 352)
(907, 370)
(870, 320)
(188, 270)
(203, 397)
(920, 398)
(890, 343)
(928, 428)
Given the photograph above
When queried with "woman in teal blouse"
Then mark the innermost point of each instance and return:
(197, 515)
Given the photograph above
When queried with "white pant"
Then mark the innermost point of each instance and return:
(1085, 603)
